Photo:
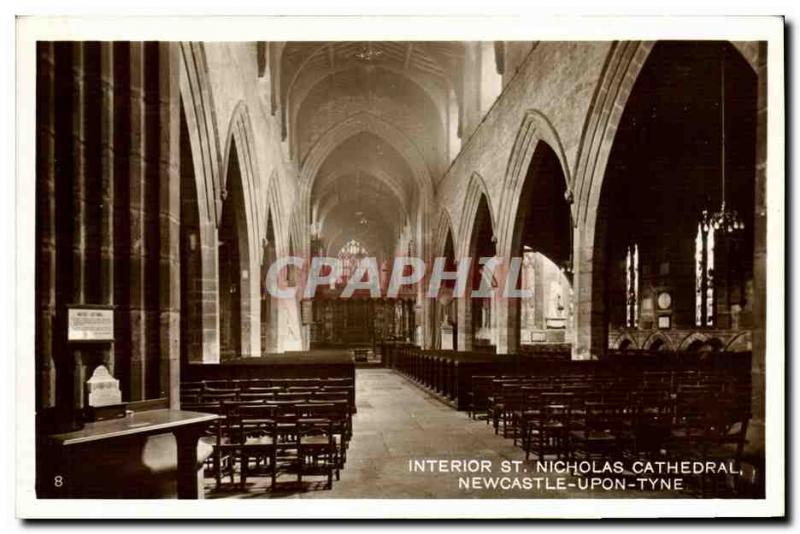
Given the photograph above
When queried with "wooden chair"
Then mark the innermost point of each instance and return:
(550, 434)
(257, 441)
(316, 449)
(480, 390)
(338, 414)
(254, 397)
(652, 420)
(222, 461)
(598, 433)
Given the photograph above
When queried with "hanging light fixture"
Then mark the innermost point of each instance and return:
(367, 53)
(725, 220)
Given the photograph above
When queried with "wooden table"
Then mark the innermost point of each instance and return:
(186, 426)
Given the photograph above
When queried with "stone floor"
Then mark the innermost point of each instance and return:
(397, 422)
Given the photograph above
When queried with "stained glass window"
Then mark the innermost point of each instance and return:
(704, 273)
(350, 256)
(632, 286)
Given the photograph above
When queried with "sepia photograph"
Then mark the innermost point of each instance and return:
(426, 274)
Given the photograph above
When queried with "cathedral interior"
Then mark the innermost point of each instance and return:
(628, 178)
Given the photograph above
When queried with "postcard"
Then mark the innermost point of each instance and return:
(401, 267)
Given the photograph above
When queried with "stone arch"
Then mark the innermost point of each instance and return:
(476, 188)
(277, 245)
(444, 312)
(240, 132)
(536, 154)
(199, 125)
(696, 338)
(445, 225)
(354, 125)
(241, 161)
(622, 67)
(749, 51)
(383, 177)
(623, 64)
(477, 194)
(624, 338)
(365, 122)
(657, 337)
(201, 120)
(740, 342)
(535, 128)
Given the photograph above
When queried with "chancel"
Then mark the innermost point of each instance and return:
(592, 216)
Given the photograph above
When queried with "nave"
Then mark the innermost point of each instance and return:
(398, 421)
(207, 214)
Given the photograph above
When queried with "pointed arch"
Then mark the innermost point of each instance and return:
(624, 340)
(444, 228)
(352, 126)
(476, 189)
(623, 64)
(240, 188)
(365, 122)
(383, 177)
(655, 338)
(474, 221)
(696, 338)
(200, 162)
(740, 342)
(534, 129)
(240, 134)
(201, 121)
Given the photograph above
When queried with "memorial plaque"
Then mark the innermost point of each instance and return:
(102, 388)
(307, 311)
(447, 338)
(90, 324)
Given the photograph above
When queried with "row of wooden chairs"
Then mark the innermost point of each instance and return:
(275, 437)
(679, 414)
(193, 393)
(247, 383)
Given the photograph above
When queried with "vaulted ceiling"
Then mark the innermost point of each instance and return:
(366, 187)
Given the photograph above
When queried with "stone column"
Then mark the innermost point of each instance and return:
(538, 292)
(464, 335)
(169, 222)
(591, 328)
(210, 291)
(78, 201)
(508, 319)
(251, 299)
(755, 435)
(45, 226)
(134, 315)
(106, 212)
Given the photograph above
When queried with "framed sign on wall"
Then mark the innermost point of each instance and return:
(90, 323)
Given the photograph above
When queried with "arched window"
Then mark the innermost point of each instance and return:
(704, 272)
(632, 286)
(350, 255)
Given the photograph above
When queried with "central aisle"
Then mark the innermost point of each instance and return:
(397, 422)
